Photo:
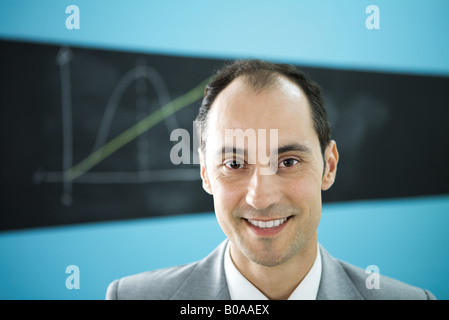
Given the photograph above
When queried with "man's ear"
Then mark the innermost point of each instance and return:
(331, 158)
(204, 176)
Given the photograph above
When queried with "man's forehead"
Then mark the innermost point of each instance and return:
(241, 87)
(283, 107)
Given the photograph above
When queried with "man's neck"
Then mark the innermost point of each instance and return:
(277, 283)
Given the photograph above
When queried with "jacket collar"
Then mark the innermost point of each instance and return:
(335, 284)
(207, 281)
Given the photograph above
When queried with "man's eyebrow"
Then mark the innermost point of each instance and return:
(297, 147)
(234, 150)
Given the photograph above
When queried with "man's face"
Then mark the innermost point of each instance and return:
(269, 218)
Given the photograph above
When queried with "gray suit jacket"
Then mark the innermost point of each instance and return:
(205, 280)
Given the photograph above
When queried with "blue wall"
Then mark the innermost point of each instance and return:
(406, 238)
(412, 35)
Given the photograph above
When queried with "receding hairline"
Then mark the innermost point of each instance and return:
(260, 76)
(242, 82)
(260, 81)
(263, 80)
(276, 81)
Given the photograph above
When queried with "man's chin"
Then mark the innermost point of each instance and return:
(266, 253)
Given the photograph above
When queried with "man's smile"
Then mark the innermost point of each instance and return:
(267, 223)
(267, 227)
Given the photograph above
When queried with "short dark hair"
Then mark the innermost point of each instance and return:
(259, 75)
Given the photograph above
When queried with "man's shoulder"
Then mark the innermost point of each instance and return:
(343, 281)
(375, 286)
(158, 284)
(203, 279)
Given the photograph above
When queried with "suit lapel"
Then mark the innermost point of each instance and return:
(335, 283)
(207, 281)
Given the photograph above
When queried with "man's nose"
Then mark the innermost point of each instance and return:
(263, 191)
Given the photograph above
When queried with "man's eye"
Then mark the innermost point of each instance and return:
(233, 164)
(288, 163)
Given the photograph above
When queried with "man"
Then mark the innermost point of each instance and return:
(269, 213)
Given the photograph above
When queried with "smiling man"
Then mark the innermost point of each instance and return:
(269, 210)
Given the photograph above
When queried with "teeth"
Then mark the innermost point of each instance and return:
(267, 224)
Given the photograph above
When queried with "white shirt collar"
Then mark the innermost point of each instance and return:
(241, 289)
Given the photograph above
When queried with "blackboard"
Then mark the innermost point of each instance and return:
(60, 105)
